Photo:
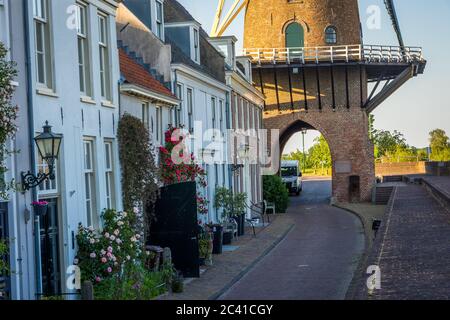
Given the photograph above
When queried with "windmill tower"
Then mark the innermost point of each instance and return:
(310, 63)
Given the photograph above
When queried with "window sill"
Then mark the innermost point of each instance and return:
(87, 99)
(108, 104)
(46, 92)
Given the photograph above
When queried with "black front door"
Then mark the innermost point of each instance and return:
(4, 278)
(50, 262)
(176, 226)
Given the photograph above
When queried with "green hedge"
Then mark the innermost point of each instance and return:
(275, 191)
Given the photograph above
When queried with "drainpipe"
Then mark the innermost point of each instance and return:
(37, 244)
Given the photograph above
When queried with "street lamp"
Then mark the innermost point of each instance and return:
(48, 144)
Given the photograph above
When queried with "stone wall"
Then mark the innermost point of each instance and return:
(409, 168)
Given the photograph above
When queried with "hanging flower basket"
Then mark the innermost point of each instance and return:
(40, 208)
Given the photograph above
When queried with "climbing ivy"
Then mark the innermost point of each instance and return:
(8, 116)
(140, 175)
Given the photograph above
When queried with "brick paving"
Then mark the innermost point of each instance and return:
(231, 266)
(412, 248)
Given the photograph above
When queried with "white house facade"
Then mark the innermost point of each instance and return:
(74, 86)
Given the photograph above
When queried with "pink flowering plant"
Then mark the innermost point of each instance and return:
(108, 253)
(178, 166)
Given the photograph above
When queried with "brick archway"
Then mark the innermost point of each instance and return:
(346, 132)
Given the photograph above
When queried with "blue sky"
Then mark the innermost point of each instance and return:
(421, 104)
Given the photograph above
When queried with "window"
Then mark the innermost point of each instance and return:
(223, 175)
(196, 46)
(159, 132)
(146, 115)
(213, 110)
(83, 51)
(190, 110)
(89, 182)
(48, 186)
(44, 72)
(330, 35)
(105, 83)
(159, 19)
(221, 117)
(109, 175)
(216, 174)
(178, 108)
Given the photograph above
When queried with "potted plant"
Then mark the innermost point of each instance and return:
(224, 200)
(40, 208)
(239, 208)
(203, 248)
(217, 238)
(177, 283)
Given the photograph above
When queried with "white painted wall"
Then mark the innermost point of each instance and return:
(204, 88)
(75, 119)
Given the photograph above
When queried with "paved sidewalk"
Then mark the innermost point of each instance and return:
(231, 266)
(442, 184)
(412, 249)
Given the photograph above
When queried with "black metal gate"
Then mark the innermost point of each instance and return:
(176, 226)
(4, 278)
(51, 275)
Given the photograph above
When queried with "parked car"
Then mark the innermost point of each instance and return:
(292, 176)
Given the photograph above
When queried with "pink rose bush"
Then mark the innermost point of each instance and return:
(106, 253)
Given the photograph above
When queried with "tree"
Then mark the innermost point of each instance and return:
(440, 146)
(8, 116)
(320, 154)
(275, 191)
(387, 142)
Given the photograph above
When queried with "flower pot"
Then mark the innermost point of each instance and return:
(227, 237)
(218, 239)
(240, 220)
(40, 210)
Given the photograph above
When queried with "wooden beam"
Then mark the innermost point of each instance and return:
(319, 98)
(333, 93)
(347, 93)
(217, 17)
(393, 86)
(290, 88)
(262, 86)
(374, 90)
(232, 14)
(276, 87)
(305, 95)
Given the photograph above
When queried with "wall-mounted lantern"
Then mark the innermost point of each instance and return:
(48, 144)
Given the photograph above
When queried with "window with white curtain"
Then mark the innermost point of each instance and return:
(89, 182)
(84, 65)
(109, 175)
(105, 82)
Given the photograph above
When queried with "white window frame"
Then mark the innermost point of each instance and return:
(145, 114)
(179, 93)
(190, 108)
(90, 182)
(109, 174)
(159, 125)
(196, 45)
(213, 112)
(159, 21)
(104, 53)
(43, 48)
(48, 187)
(84, 61)
(222, 130)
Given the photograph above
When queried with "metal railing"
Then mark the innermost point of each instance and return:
(332, 54)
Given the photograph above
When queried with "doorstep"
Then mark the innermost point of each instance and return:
(232, 265)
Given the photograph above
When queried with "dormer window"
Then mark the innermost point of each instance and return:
(196, 55)
(159, 20)
(330, 35)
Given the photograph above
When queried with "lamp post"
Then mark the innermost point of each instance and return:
(304, 131)
(48, 144)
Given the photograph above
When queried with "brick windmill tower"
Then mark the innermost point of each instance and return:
(315, 72)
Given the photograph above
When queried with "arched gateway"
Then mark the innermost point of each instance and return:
(323, 84)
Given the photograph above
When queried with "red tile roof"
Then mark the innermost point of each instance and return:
(135, 73)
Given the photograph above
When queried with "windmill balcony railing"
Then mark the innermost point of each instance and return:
(335, 54)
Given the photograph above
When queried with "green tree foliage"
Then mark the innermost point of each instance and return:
(231, 204)
(387, 142)
(8, 116)
(319, 154)
(276, 192)
(440, 145)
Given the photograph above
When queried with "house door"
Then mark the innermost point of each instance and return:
(50, 260)
(4, 279)
(295, 36)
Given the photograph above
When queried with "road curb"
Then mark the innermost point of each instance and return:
(230, 284)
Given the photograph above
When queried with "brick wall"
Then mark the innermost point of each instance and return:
(408, 168)
(266, 21)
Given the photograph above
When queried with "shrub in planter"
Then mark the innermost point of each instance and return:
(4, 249)
(275, 191)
